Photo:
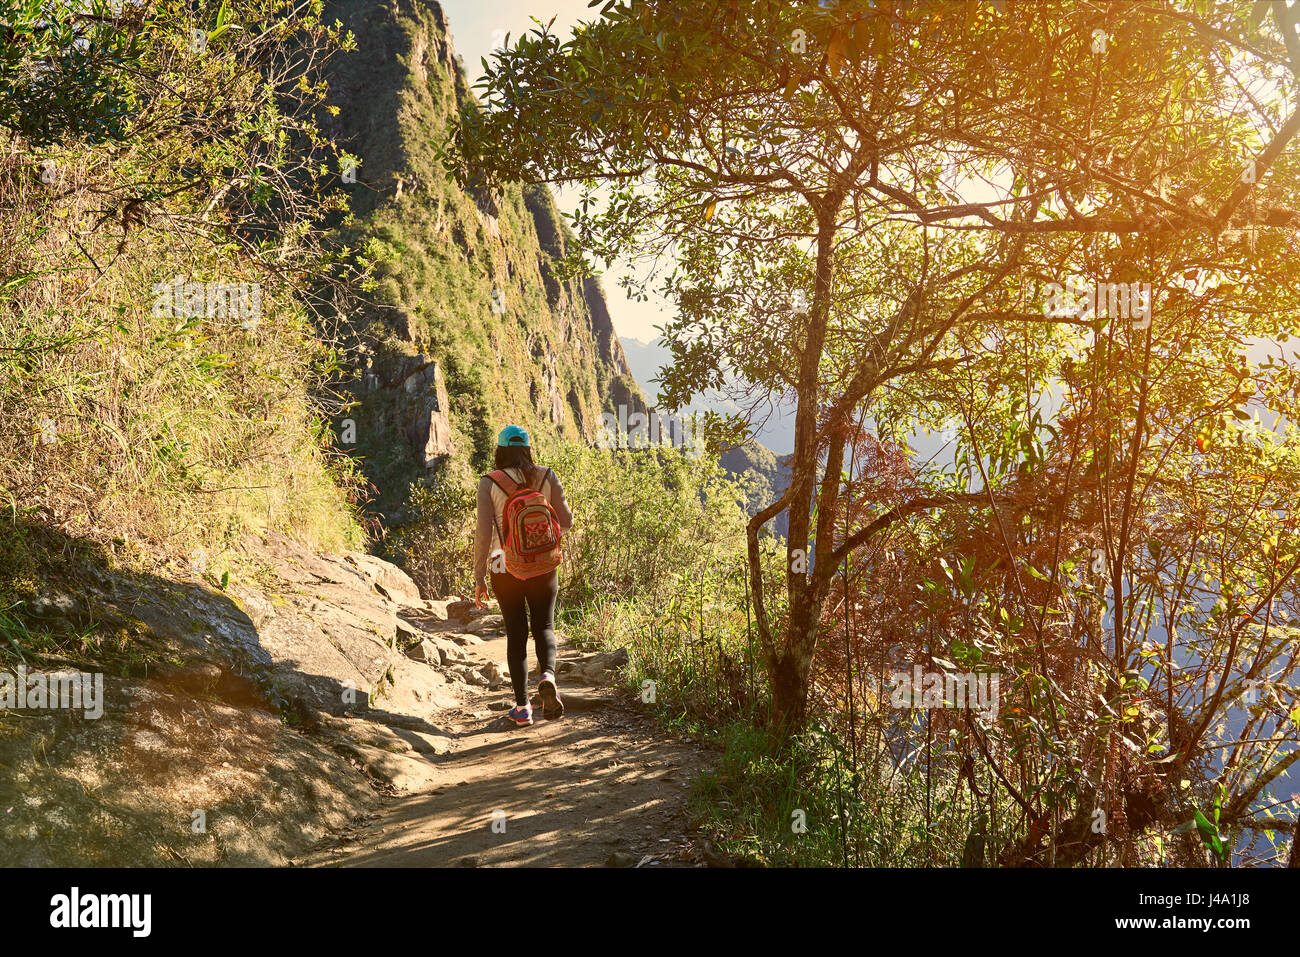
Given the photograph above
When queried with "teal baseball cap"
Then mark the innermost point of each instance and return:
(512, 435)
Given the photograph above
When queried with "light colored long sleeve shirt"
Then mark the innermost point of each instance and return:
(491, 504)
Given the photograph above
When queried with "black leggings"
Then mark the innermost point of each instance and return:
(521, 600)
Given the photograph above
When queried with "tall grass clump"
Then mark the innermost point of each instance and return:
(128, 413)
(655, 563)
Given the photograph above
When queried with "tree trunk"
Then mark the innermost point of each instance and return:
(790, 662)
(791, 669)
(789, 694)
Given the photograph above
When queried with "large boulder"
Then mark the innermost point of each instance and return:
(389, 580)
(487, 623)
(328, 628)
(415, 689)
(464, 610)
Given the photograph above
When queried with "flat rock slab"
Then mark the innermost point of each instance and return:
(598, 668)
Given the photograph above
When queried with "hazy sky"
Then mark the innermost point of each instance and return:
(478, 25)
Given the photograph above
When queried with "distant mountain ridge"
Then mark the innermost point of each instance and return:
(771, 471)
(645, 360)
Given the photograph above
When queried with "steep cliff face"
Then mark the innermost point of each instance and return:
(470, 325)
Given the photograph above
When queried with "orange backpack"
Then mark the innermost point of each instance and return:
(531, 542)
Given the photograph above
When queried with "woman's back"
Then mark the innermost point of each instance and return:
(526, 582)
(491, 503)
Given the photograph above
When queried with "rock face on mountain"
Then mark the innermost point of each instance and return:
(429, 426)
(472, 323)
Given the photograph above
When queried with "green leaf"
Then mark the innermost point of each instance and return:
(1210, 835)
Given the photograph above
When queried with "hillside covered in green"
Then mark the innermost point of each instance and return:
(470, 321)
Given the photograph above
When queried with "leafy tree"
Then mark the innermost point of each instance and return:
(848, 195)
(65, 68)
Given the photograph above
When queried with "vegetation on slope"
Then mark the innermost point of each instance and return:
(165, 424)
(475, 280)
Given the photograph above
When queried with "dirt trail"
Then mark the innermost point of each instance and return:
(602, 785)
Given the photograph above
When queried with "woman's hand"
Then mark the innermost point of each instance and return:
(481, 595)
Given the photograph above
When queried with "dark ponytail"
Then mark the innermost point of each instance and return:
(517, 457)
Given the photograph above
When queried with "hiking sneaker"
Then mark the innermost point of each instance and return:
(552, 705)
(521, 714)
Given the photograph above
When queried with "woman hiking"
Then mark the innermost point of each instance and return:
(521, 513)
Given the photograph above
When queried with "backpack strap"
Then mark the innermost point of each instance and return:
(502, 480)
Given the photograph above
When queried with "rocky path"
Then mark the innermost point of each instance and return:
(601, 786)
(315, 709)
